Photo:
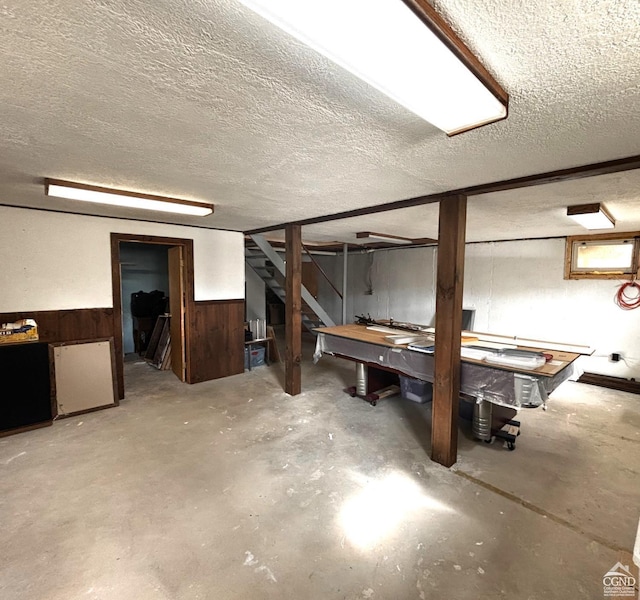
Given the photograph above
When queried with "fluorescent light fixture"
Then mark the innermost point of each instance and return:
(404, 49)
(591, 216)
(100, 195)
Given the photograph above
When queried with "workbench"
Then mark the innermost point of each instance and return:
(483, 384)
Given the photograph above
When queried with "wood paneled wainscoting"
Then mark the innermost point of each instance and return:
(68, 325)
(74, 325)
(215, 336)
(216, 340)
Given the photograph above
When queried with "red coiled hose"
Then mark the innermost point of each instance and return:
(624, 300)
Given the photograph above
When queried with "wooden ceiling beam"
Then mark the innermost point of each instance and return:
(629, 163)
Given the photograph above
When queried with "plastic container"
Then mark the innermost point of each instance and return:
(257, 357)
(517, 362)
(416, 390)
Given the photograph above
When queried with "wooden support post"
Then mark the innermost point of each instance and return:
(293, 315)
(446, 384)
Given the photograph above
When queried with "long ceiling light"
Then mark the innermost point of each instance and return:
(401, 47)
(591, 216)
(100, 195)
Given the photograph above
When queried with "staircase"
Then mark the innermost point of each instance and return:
(266, 262)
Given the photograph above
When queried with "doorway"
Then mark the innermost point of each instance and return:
(158, 263)
(144, 271)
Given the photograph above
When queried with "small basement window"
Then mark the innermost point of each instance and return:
(602, 256)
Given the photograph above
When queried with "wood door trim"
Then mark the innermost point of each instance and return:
(177, 304)
(116, 282)
(151, 239)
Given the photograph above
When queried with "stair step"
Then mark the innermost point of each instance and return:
(267, 253)
(312, 322)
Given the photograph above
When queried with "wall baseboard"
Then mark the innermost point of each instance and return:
(613, 383)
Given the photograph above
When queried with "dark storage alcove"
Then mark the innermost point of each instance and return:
(25, 394)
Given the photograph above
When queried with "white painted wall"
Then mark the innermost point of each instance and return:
(517, 288)
(329, 300)
(57, 261)
(256, 302)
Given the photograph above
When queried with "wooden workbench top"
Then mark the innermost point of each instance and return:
(561, 359)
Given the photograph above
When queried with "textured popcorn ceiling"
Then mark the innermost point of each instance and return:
(206, 100)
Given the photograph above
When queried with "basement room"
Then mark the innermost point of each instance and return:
(330, 301)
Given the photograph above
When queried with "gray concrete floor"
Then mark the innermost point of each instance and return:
(232, 490)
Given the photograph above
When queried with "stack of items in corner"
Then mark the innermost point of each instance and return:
(24, 330)
(158, 351)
